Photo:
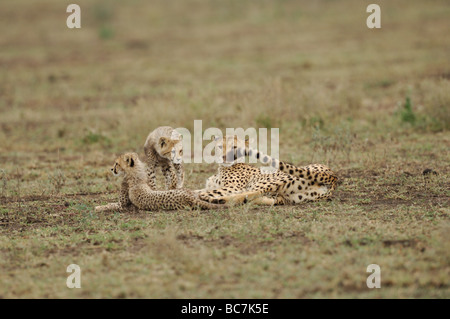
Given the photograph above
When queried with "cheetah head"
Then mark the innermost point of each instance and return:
(171, 149)
(230, 146)
(124, 162)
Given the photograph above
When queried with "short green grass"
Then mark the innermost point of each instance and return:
(371, 104)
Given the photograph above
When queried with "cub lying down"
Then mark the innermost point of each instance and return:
(135, 193)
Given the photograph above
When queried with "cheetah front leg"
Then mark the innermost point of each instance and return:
(179, 170)
(170, 175)
(124, 197)
(151, 175)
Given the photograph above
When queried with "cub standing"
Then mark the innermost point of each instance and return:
(164, 148)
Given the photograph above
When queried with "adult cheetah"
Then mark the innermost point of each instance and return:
(287, 185)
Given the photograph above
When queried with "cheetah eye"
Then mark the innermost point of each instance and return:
(181, 152)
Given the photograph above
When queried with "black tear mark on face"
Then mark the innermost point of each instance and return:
(131, 162)
(162, 141)
(240, 153)
(230, 157)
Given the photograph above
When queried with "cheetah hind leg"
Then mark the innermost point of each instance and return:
(170, 176)
(240, 198)
(313, 193)
(210, 195)
(259, 199)
(264, 201)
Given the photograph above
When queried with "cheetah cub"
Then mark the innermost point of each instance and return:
(164, 148)
(136, 194)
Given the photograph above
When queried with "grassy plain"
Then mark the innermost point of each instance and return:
(372, 104)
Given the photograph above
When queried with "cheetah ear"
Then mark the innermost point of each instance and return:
(130, 160)
(176, 136)
(162, 141)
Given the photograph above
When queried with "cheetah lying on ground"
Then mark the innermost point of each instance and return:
(136, 194)
(164, 148)
(287, 185)
(237, 149)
